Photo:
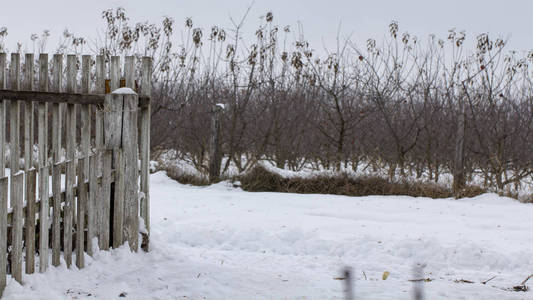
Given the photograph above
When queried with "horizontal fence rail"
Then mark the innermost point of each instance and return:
(74, 159)
(51, 97)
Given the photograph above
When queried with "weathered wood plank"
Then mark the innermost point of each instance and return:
(28, 112)
(113, 108)
(17, 201)
(44, 217)
(56, 220)
(129, 71)
(131, 171)
(61, 98)
(80, 222)
(85, 143)
(42, 110)
(71, 109)
(3, 107)
(94, 189)
(31, 183)
(14, 116)
(70, 179)
(104, 221)
(42, 133)
(14, 72)
(70, 136)
(3, 232)
(118, 203)
(99, 144)
(144, 142)
(57, 122)
(100, 74)
(114, 72)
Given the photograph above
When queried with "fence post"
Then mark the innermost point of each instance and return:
(3, 107)
(214, 155)
(144, 147)
(120, 119)
(3, 232)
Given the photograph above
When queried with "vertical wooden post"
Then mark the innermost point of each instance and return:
(28, 113)
(30, 220)
(56, 221)
(70, 136)
(57, 108)
(42, 114)
(129, 72)
(144, 144)
(3, 65)
(118, 211)
(44, 216)
(80, 222)
(70, 179)
(114, 72)
(104, 222)
(85, 114)
(14, 73)
(113, 107)
(214, 151)
(42, 137)
(121, 117)
(91, 204)
(17, 186)
(99, 142)
(131, 171)
(459, 179)
(3, 232)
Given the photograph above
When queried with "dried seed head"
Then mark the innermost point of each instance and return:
(188, 23)
(269, 16)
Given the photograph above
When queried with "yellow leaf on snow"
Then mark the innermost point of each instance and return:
(386, 275)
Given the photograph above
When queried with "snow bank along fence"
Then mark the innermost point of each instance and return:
(73, 154)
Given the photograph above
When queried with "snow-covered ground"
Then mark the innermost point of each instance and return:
(219, 242)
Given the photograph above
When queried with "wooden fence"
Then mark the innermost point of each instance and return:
(73, 149)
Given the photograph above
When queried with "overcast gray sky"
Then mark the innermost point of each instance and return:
(320, 19)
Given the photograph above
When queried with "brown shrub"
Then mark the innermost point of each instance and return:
(183, 177)
(260, 179)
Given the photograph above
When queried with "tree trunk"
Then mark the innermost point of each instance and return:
(214, 155)
(459, 159)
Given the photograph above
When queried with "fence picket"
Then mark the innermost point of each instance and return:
(91, 203)
(105, 201)
(42, 113)
(114, 72)
(70, 136)
(56, 220)
(17, 202)
(144, 142)
(118, 204)
(44, 217)
(14, 121)
(3, 232)
(31, 182)
(131, 170)
(85, 113)
(56, 109)
(28, 112)
(70, 179)
(3, 107)
(80, 224)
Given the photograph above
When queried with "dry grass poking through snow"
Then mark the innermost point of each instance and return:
(260, 179)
